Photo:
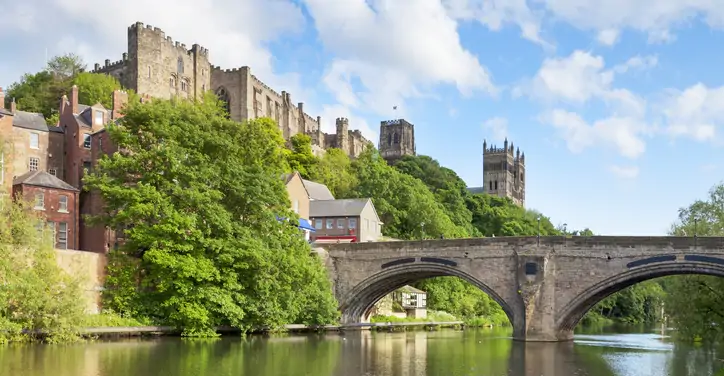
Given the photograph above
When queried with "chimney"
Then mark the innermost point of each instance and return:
(74, 99)
(13, 106)
(2, 98)
(120, 98)
(63, 104)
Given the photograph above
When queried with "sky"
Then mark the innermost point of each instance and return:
(618, 105)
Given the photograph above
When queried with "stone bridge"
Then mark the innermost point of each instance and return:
(545, 285)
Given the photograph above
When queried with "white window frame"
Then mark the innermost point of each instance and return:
(39, 201)
(62, 241)
(34, 140)
(340, 223)
(87, 140)
(53, 172)
(98, 117)
(34, 166)
(353, 223)
(318, 224)
(63, 204)
(330, 224)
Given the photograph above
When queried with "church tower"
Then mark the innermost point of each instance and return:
(504, 172)
(397, 139)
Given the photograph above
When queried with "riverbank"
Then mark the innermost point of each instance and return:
(128, 331)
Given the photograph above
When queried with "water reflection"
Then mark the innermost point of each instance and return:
(448, 353)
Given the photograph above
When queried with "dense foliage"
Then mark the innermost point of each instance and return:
(203, 246)
(41, 92)
(35, 293)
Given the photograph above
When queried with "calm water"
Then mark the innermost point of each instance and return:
(445, 353)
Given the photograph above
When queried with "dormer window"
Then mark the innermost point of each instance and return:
(99, 117)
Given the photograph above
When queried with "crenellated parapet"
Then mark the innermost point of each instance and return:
(146, 31)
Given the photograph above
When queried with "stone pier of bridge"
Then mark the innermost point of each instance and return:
(545, 285)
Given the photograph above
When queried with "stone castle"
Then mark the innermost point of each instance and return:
(157, 66)
(503, 172)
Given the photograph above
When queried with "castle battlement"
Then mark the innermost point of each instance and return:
(140, 29)
(395, 122)
(262, 84)
(109, 66)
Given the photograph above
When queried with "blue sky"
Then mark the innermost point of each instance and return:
(618, 105)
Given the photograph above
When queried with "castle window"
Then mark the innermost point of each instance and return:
(521, 176)
(183, 85)
(496, 185)
(180, 65)
(149, 71)
(389, 139)
(396, 138)
(172, 82)
(491, 185)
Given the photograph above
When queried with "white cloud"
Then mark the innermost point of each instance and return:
(625, 134)
(581, 77)
(638, 62)
(608, 37)
(396, 51)
(497, 127)
(494, 14)
(625, 172)
(19, 16)
(695, 112)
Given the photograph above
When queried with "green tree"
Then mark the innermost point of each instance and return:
(96, 88)
(64, 67)
(694, 303)
(203, 244)
(35, 293)
(334, 170)
(301, 157)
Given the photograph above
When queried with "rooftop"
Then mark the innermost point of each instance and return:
(42, 179)
(350, 207)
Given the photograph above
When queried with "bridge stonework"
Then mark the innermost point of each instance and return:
(545, 285)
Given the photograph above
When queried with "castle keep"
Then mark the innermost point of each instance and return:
(397, 139)
(503, 172)
(160, 67)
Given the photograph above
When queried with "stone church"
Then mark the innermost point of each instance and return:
(160, 67)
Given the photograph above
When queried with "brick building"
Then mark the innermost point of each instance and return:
(57, 200)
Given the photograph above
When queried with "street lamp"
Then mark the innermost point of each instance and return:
(422, 231)
(538, 230)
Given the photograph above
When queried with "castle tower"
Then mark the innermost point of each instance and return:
(504, 172)
(397, 139)
(343, 134)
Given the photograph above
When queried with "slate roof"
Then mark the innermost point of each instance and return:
(317, 191)
(5, 111)
(476, 190)
(408, 288)
(350, 207)
(42, 179)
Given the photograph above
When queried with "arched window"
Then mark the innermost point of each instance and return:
(180, 65)
(491, 185)
(225, 99)
(172, 82)
(496, 185)
(396, 138)
(389, 139)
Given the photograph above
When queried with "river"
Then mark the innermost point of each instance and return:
(481, 352)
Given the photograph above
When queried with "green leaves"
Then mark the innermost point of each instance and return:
(199, 195)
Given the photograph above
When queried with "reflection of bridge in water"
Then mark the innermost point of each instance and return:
(545, 285)
(419, 354)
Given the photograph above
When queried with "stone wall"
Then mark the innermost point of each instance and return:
(91, 267)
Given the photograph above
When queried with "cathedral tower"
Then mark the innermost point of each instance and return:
(504, 172)
(397, 139)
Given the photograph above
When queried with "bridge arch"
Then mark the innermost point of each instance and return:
(574, 311)
(362, 297)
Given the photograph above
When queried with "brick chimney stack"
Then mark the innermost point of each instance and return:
(120, 99)
(13, 106)
(74, 99)
(2, 99)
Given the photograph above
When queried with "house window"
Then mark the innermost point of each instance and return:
(353, 223)
(34, 141)
(40, 201)
(296, 206)
(100, 143)
(86, 167)
(87, 140)
(330, 224)
(318, 224)
(62, 235)
(180, 65)
(340, 223)
(53, 172)
(99, 117)
(34, 162)
(63, 203)
(51, 227)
